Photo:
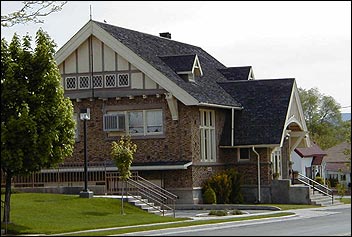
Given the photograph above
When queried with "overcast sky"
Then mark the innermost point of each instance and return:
(309, 41)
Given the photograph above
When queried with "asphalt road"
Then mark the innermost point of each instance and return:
(328, 221)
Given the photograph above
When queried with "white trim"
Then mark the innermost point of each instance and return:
(162, 167)
(219, 106)
(129, 55)
(196, 61)
(294, 98)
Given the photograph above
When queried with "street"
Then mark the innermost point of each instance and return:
(333, 220)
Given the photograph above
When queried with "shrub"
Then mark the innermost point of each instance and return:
(221, 184)
(319, 180)
(236, 212)
(236, 180)
(218, 212)
(341, 189)
(226, 185)
(209, 196)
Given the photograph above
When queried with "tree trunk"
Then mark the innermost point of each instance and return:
(122, 211)
(6, 217)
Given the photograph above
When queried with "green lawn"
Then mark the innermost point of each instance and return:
(36, 213)
(56, 213)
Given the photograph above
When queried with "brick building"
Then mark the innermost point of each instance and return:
(189, 115)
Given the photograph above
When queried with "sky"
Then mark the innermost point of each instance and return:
(306, 40)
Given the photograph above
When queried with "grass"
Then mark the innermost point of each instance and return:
(33, 213)
(180, 224)
(345, 200)
(38, 213)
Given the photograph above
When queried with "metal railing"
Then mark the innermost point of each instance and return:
(65, 175)
(142, 190)
(315, 186)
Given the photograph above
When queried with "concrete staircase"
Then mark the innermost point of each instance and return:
(322, 200)
(145, 205)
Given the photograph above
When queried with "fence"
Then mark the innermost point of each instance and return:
(65, 175)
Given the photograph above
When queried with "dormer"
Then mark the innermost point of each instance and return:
(186, 66)
(238, 73)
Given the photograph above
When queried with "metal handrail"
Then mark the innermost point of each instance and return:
(162, 191)
(140, 189)
(140, 193)
(316, 186)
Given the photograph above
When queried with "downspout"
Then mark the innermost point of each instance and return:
(258, 158)
(232, 126)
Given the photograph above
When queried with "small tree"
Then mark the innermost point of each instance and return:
(37, 126)
(122, 153)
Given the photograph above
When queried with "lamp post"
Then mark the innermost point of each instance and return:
(85, 115)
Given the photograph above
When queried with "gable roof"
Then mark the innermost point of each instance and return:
(236, 73)
(154, 49)
(336, 153)
(314, 150)
(265, 105)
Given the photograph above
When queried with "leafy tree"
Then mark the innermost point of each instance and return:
(37, 126)
(31, 11)
(122, 153)
(323, 118)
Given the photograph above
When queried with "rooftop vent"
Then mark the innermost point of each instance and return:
(165, 35)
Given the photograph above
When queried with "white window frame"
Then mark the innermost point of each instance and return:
(207, 135)
(75, 78)
(114, 115)
(105, 84)
(118, 79)
(240, 158)
(79, 82)
(100, 78)
(145, 124)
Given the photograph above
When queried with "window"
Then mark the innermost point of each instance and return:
(70, 83)
(244, 153)
(123, 80)
(84, 82)
(138, 123)
(97, 81)
(114, 122)
(207, 135)
(154, 121)
(110, 80)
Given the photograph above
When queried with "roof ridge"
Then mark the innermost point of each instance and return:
(136, 31)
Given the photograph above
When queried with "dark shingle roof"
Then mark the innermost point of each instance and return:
(314, 150)
(150, 48)
(265, 105)
(236, 73)
(180, 63)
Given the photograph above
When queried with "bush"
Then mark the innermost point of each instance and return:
(236, 212)
(236, 180)
(319, 180)
(209, 196)
(227, 187)
(218, 213)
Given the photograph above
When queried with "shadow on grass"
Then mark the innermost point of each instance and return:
(14, 229)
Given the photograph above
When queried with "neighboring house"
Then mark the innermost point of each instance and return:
(308, 161)
(337, 164)
(189, 115)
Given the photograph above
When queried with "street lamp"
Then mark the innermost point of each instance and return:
(85, 115)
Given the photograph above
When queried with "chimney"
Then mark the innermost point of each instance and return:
(165, 35)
